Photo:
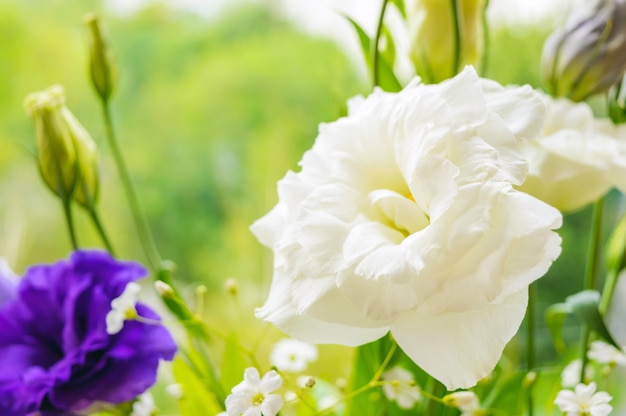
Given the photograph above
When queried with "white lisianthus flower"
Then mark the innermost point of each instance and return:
(577, 158)
(123, 308)
(401, 387)
(604, 353)
(252, 397)
(584, 401)
(404, 219)
(292, 355)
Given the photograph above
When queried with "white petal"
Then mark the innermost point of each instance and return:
(271, 405)
(270, 382)
(460, 349)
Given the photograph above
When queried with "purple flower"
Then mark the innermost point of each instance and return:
(56, 357)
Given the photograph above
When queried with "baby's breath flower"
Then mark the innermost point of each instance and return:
(292, 355)
(175, 390)
(584, 401)
(401, 387)
(252, 396)
(603, 353)
(144, 405)
(122, 308)
(570, 376)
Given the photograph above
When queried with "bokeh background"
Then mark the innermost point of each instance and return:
(216, 102)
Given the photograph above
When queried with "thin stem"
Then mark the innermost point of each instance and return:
(147, 242)
(93, 213)
(67, 210)
(436, 390)
(530, 337)
(591, 275)
(484, 64)
(375, 51)
(457, 36)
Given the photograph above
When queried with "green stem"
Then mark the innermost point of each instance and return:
(375, 51)
(530, 337)
(484, 64)
(67, 210)
(607, 291)
(93, 213)
(147, 242)
(591, 275)
(437, 390)
(457, 36)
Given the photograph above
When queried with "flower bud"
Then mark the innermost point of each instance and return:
(444, 38)
(588, 55)
(101, 65)
(67, 154)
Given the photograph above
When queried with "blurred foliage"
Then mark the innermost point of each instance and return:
(210, 113)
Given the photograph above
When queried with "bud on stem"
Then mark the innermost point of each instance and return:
(101, 65)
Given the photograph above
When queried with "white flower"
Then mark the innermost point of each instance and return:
(577, 158)
(465, 401)
(252, 396)
(292, 355)
(144, 405)
(404, 219)
(604, 353)
(402, 388)
(175, 390)
(122, 308)
(584, 401)
(570, 376)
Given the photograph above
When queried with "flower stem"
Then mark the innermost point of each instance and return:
(454, 5)
(375, 51)
(67, 210)
(93, 213)
(147, 242)
(530, 337)
(591, 275)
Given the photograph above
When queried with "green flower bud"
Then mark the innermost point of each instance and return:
(67, 155)
(588, 55)
(445, 38)
(101, 64)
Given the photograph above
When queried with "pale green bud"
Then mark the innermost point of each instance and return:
(101, 64)
(588, 55)
(434, 44)
(67, 155)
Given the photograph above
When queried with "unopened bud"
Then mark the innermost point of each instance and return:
(310, 382)
(67, 155)
(588, 55)
(436, 50)
(101, 65)
(163, 289)
(530, 379)
(466, 401)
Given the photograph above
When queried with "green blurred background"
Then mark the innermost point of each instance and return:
(210, 114)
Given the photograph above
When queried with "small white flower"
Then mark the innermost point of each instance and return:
(122, 308)
(584, 401)
(292, 355)
(252, 396)
(465, 401)
(144, 405)
(570, 376)
(175, 390)
(402, 388)
(604, 353)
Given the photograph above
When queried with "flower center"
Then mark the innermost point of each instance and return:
(258, 399)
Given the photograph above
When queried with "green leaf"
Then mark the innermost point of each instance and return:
(555, 318)
(508, 394)
(585, 307)
(196, 398)
(401, 7)
(389, 53)
(367, 361)
(233, 364)
(364, 41)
